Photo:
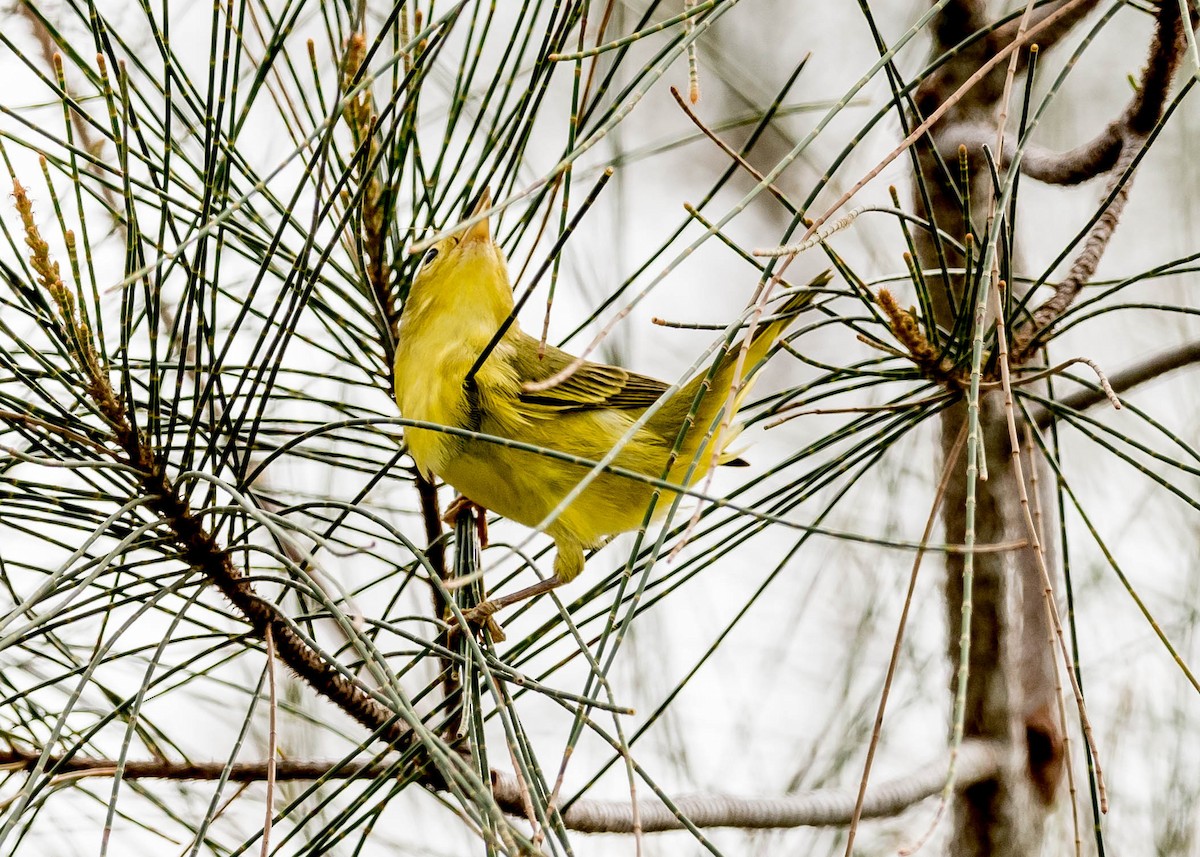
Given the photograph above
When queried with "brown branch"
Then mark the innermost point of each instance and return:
(1084, 266)
(435, 546)
(1100, 154)
(728, 150)
(197, 547)
(1166, 51)
(26, 419)
(978, 762)
(1140, 373)
(161, 769)
(1086, 161)
(941, 109)
(1050, 36)
(1138, 121)
(435, 553)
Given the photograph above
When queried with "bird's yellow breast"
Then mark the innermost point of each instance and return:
(431, 369)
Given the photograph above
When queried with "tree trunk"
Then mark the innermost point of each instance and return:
(1011, 691)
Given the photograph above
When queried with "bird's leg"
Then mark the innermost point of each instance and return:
(462, 504)
(482, 613)
(568, 562)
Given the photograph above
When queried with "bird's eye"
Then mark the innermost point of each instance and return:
(428, 258)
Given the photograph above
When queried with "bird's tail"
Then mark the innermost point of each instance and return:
(697, 446)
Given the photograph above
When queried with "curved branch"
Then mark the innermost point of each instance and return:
(1166, 51)
(1117, 191)
(1086, 161)
(1135, 126)
(977, 761)
(1148, 370)
(1100, 154)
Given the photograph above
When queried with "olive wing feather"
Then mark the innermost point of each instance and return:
(592, 386)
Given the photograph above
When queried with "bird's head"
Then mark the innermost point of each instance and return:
(466, 270)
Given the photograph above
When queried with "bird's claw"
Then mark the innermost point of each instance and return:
(483, 617)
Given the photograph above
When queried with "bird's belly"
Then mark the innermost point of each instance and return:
(435, 402)
(429, 449)
(526, 488)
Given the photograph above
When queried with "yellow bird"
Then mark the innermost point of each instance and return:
(459, 299)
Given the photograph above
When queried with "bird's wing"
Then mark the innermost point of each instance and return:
(591, 387)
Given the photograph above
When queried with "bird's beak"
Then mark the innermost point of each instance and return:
(481, 231)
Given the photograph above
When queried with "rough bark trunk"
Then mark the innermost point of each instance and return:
(1011, 691)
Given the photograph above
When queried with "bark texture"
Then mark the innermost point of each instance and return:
(1011, 688)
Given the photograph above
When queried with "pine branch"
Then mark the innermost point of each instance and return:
(978, 762)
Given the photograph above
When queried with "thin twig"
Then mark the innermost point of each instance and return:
(1121, 382)
(948, 471)
(1105, 386)
(1059, 696)
(25, 419)
(725, 147)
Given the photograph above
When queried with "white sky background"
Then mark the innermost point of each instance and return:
(787, 701)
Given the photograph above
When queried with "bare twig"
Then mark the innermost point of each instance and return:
(1059, 697)
(948, 470)
(979, 762)
(272, 738)
(1105, 386)
(725, 147)
(1121, 382)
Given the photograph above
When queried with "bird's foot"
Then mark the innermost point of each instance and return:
(462, 504)
(483, 617)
